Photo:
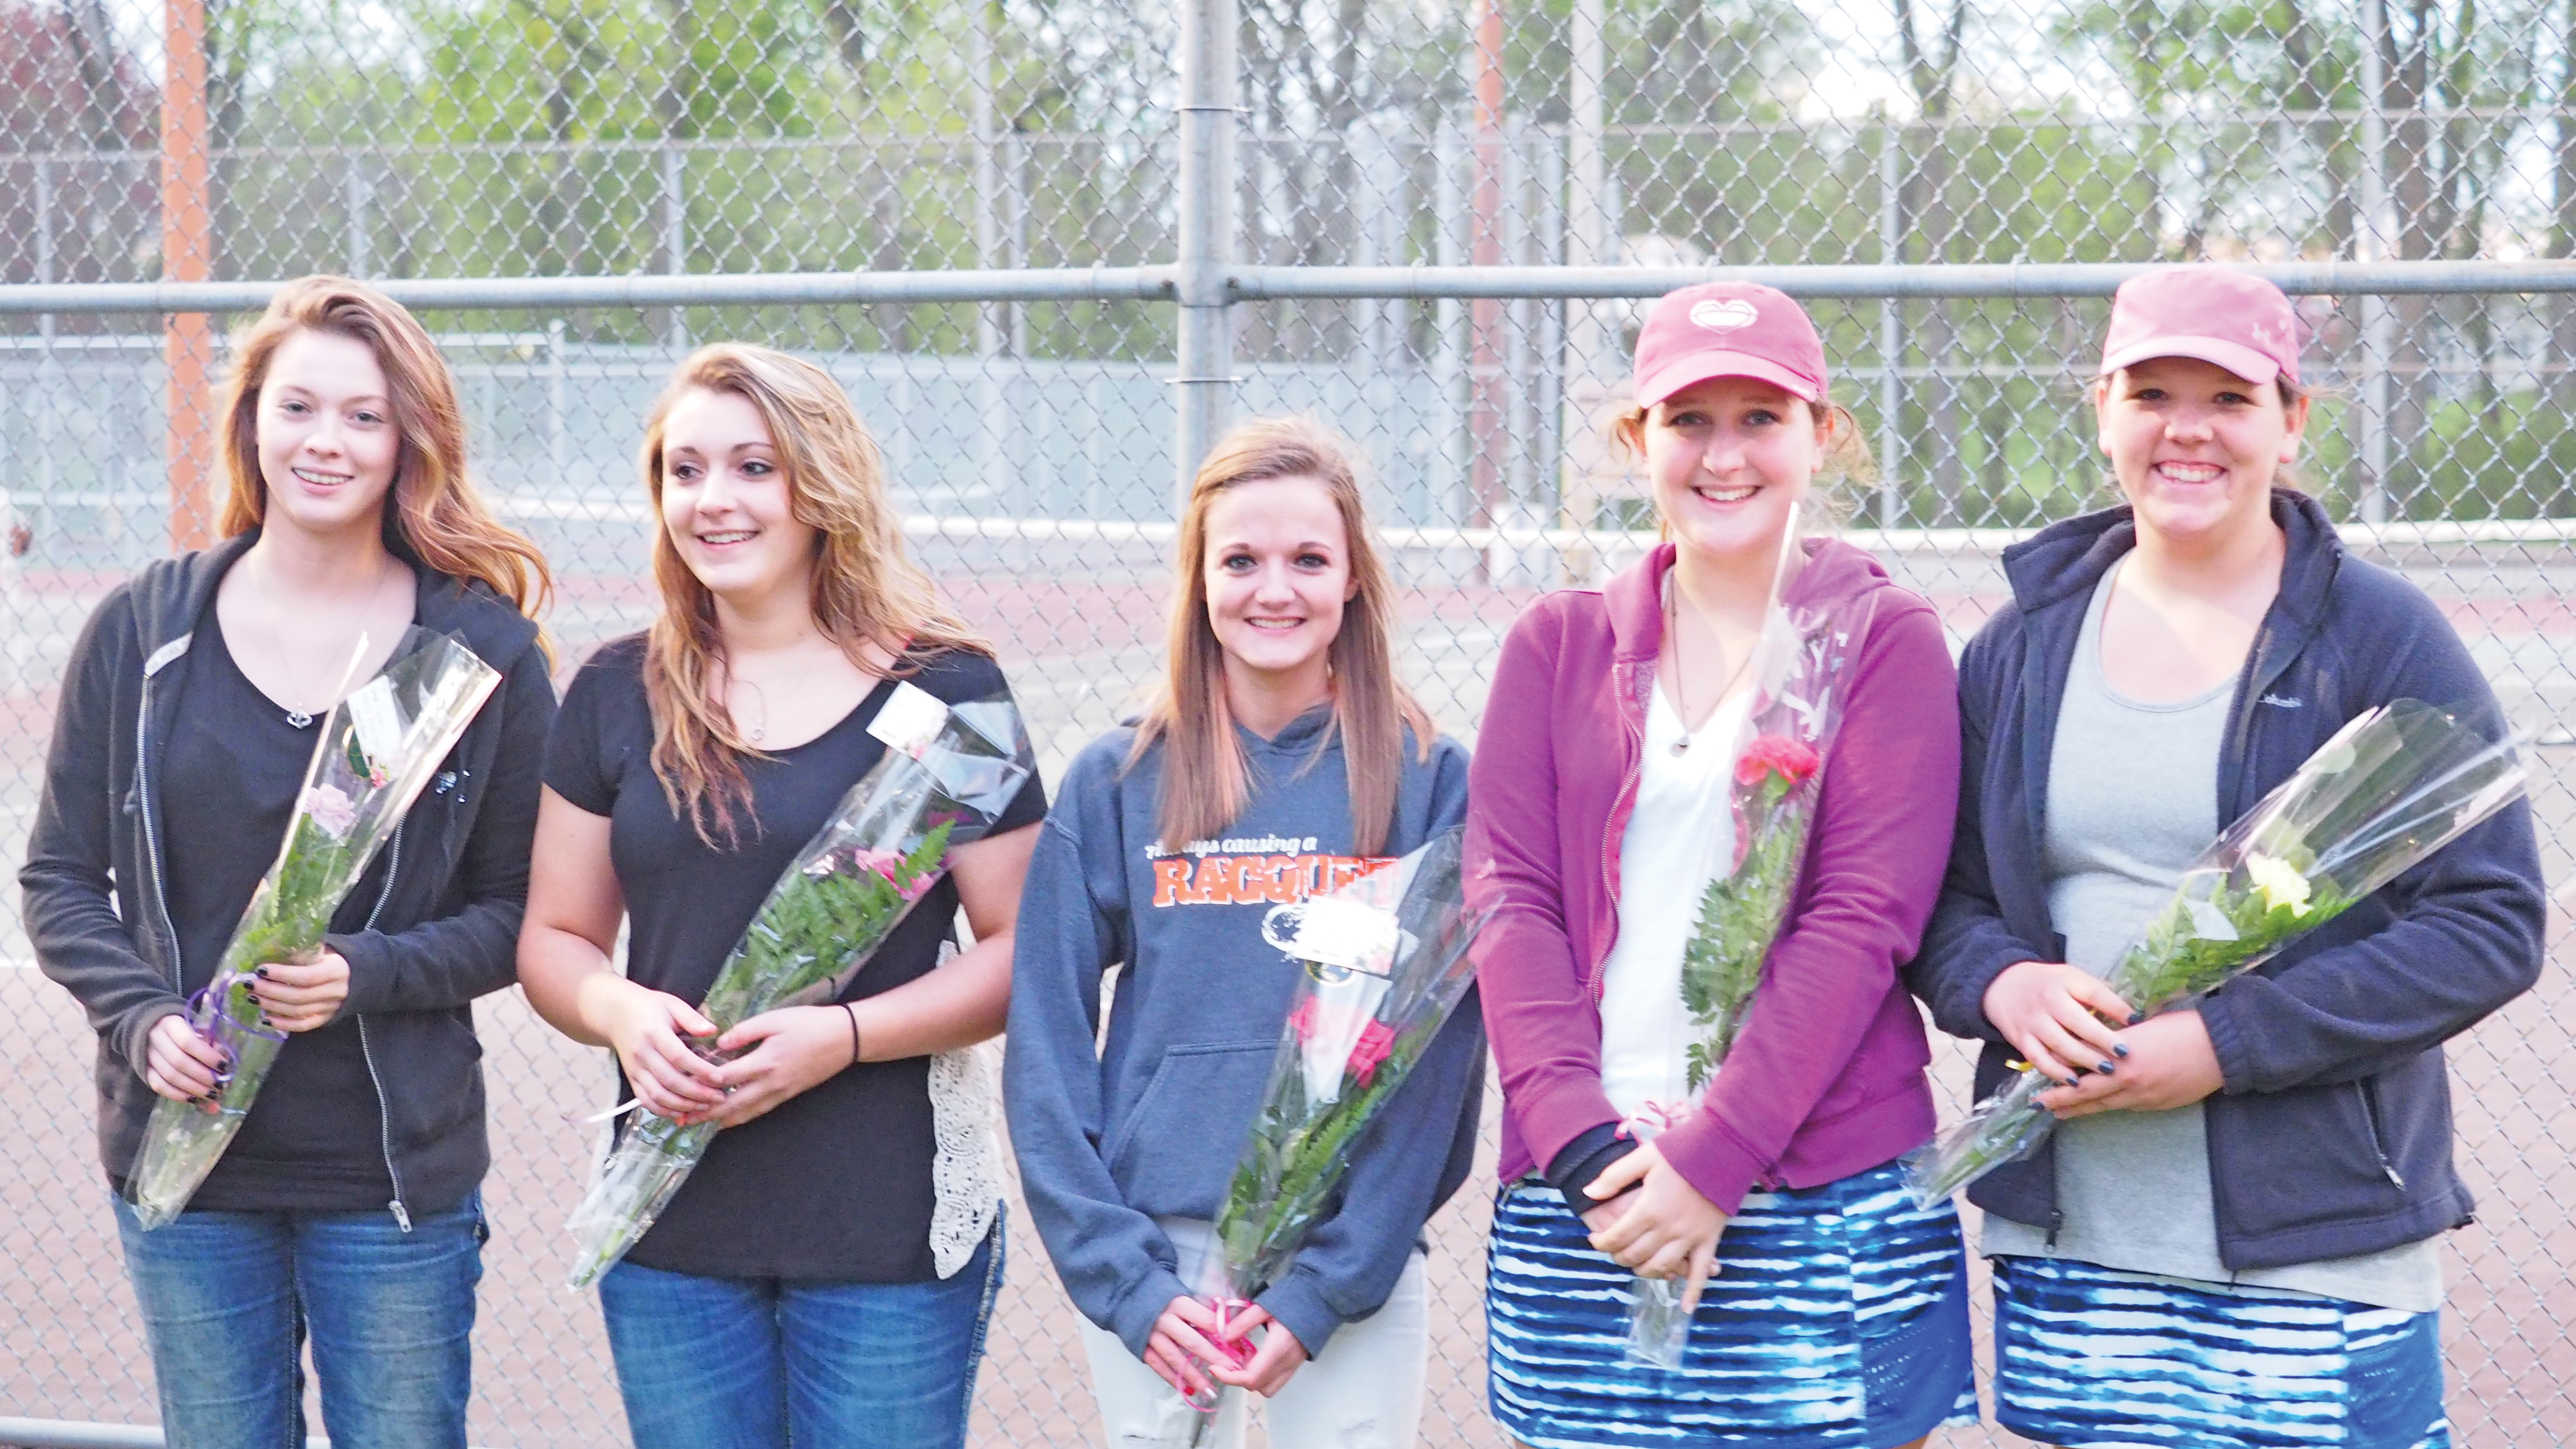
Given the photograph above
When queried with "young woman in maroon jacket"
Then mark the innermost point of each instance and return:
(1834, 1312)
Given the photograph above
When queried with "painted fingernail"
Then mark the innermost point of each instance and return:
(261, 973)
(2136, 1016)
(2120, 1049)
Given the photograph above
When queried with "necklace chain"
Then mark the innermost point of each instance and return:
(1681, 686)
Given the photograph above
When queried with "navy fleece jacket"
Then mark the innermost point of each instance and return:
(1149, 1125)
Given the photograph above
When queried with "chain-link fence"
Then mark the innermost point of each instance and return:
(1048, 246)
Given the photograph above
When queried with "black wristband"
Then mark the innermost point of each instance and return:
(1582, 1160)
(852, 1008)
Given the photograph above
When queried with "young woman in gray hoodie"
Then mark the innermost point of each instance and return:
(1282, 760)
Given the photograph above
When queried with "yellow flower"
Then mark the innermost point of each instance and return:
(2279, 883)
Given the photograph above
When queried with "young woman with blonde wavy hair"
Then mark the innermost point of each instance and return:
(1282, 758)
(347, 1210)
(815, 1281)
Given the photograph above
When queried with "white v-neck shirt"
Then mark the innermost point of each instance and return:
(1680, 835)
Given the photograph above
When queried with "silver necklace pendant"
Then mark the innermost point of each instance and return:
(298, 719)
(1682, 746)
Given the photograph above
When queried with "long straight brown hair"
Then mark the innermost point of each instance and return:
(1206, 776)
(434, 512)
(866, 589)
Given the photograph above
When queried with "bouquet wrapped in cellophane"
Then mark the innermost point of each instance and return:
(1386, 964)
(948, 773)
(373, 754)
(2394, 785)
(1779, 758)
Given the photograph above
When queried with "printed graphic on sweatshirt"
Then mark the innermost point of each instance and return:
(1252, 870)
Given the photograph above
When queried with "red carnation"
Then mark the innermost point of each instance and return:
(1792, 760)
(1376, 1039)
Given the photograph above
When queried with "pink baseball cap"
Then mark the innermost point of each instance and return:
(1728, 329)
(2217, 314)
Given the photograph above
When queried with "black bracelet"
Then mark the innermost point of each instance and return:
(852, 1008)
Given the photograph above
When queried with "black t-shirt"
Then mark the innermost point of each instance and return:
(833, 1184)
(233, 767)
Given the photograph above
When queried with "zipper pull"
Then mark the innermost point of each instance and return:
(2390, 1168)
(402, 1215)
(2056, 1225)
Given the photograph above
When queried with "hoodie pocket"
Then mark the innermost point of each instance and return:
(1175, 1148)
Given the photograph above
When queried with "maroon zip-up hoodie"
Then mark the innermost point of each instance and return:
(1826, 1078)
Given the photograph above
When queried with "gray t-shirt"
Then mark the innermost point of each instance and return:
(2132, 799)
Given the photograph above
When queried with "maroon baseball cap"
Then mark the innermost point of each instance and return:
(2219, 315)
(1728, 329)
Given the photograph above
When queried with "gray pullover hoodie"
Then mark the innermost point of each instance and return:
(1149, 1125)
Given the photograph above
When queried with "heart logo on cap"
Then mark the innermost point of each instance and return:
(1723, 316)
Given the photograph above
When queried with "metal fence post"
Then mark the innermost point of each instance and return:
(353, 203)
(1586, 245)
(675, 235)
(1891, 323)
(1204, 361)
(2370, 244)
(48, 367)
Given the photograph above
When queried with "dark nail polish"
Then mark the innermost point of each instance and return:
(261, 973)
(2105, 1069)
(2120, 1049)
(2136, 1016)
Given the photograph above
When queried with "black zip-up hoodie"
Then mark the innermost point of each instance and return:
(443, 932)
(2332, 1134)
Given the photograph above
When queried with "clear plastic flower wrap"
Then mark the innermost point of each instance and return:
(2394, 785)
(1386, 964)
(948, 773)
(372, 755)
(1779, 758)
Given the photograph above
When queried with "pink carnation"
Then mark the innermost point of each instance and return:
(1792, 760)
(889, 864)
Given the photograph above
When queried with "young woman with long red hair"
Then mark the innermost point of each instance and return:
(825, 1274)
(346, 1211)
(1282, 759)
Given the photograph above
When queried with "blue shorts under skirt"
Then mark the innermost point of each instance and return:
(1838, 1320)
(2088, 1357)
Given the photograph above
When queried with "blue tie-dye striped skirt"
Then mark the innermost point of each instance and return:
(2089, 1357)
(1838, 1320)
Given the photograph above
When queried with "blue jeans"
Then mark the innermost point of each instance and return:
(759, 1363)
(228, 1300)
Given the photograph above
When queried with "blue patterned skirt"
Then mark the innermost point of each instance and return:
(2089, 1357)
(1838, 1320)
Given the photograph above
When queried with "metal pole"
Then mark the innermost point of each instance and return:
(1485, 330)
(992, 337)
(1205, 356)
(1586, 369)
(1448, 361)
(1891, 320)
(48, 371)
(558, 434)
(187, 255)
(2370, 244)
(353, 198)
(675, 235)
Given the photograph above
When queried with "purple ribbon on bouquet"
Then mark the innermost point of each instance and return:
(206, 1013)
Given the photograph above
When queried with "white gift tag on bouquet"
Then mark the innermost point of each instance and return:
(909, 720)
(1332, 931)
(379, 722)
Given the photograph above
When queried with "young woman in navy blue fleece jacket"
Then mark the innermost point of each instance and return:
(1283, 760)
(2242, 1205)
